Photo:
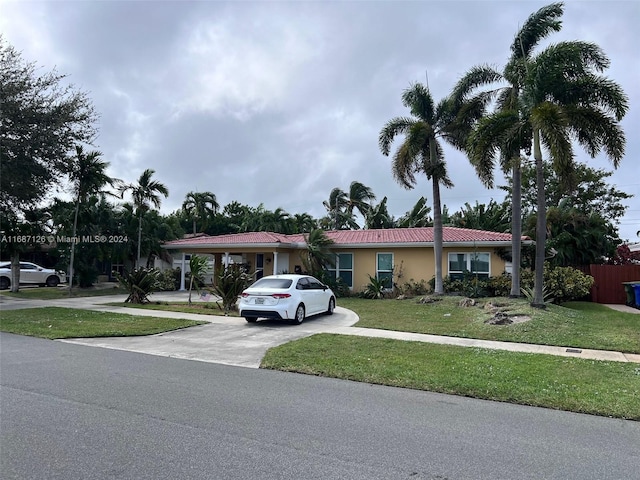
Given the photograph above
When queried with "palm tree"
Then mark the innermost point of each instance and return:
(200, 206)
(418, 216)
(501, 136)
(319, 254)
(359, 198)
(88, 177)
(421, 152)
(145, 193)
(378, 216)
(565, 98)
(304, 222)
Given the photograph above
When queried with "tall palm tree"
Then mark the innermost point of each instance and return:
(145, 192)
(88, 177)
(421, 152)
(500, 136)
(200, 206)
(565, 99)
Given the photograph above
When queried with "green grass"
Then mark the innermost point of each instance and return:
(577, 385)
(202, 308)
(56, 322)
(50, 293)
(577, 324)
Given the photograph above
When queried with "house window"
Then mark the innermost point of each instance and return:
(475, 263)
(343, 268)
(384, 268)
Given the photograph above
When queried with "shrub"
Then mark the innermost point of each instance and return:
(566, 283)
(413, 288)
(169, 279)
(337, 285)
(229, 284)
(140, 282)
(500, 286)
(376, 288)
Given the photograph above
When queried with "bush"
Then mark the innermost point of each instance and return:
(500, 286)
(376, 288)
(229, 284)
(337, 285)
(413, 288)
(566, 283)
(140, 282)
(169, 280)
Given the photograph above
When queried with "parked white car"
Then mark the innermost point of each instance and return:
(286, 297)
(30, 274)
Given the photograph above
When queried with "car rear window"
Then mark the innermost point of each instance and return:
(273, 283)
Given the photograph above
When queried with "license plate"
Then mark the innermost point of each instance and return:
(259, 301)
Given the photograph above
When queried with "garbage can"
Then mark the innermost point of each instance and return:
(628, 290)
(636, 288)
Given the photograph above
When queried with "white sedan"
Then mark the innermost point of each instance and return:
(30, 274)
(286, 297)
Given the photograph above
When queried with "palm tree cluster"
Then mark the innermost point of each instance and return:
(542, 100)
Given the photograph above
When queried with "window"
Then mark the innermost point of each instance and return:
(384, 268)
(343, 268)
(475, 263)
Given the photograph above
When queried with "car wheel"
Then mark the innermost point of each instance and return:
(332, 306)
(53, 281)
(251, 319)
(299, 318)
(4, 283)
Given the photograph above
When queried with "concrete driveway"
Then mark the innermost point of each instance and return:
(227, 340)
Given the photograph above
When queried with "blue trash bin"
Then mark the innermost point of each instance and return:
(636, 289)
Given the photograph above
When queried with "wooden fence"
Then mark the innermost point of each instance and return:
(607, 287)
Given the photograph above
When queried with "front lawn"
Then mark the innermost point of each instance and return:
(56, 322)
(204, 308)
(61, 292)
(577, 385)
(576, 324)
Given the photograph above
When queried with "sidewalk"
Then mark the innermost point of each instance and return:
(345, 321)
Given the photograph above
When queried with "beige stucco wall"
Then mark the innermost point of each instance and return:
(415, 263)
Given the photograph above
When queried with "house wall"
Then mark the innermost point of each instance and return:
(415, 263)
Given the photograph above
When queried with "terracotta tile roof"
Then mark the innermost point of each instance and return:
(399, 236)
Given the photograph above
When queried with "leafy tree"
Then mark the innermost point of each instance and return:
(88, 177)
(589, 193)
(418, 216)
(145, 192)
(304, 223)
(501, 136)
(42, 120)
(200, 207)
(421, 152)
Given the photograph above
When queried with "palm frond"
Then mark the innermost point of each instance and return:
(537, 27)
(394, 127)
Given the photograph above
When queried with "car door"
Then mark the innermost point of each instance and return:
(29, 273)
(318, 295)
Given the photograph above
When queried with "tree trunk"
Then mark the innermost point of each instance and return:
(139, 239)
(15, 272)
(541, 224)
(437, 224)
(516, 228)
(73, 244)
(194, 226)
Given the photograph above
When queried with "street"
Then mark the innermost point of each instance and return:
(78, 412)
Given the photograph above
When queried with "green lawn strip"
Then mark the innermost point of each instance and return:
(56, 322)
(50, 293)
(211, 308)
(577, 385)
(577, 324)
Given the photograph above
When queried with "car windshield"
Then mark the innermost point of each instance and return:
(273, 283)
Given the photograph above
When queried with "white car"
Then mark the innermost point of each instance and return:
(30, 274)
(286, 297)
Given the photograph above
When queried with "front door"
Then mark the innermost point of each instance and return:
(259, 265)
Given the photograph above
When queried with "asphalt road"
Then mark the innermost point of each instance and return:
(78, 412)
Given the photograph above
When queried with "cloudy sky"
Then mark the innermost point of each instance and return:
(279, 102)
